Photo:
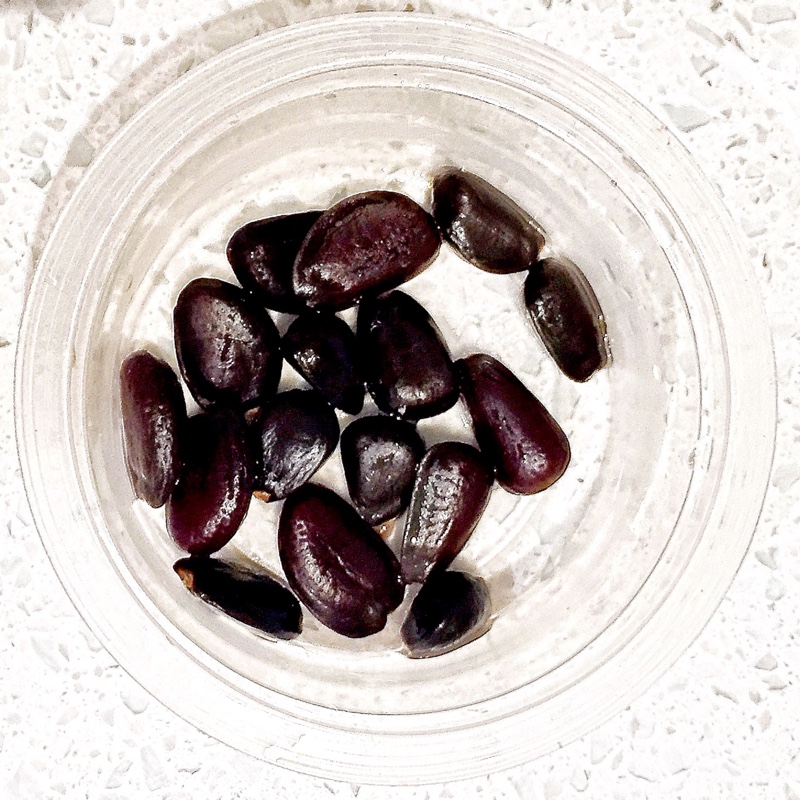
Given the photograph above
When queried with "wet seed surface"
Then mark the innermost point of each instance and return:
(250, 439)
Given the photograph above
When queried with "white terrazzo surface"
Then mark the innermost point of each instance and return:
(724, 722)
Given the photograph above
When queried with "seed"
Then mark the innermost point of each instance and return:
(567, 317)
(337, 564)
(451, 491)
(486, 227)
(228, 347)
(365, 244)
(408, 367)
(517, 434)
(261, 254)
(380, 456)
(295, 436)
(451, 609)
(153, 421)
(213, 495)
(252, 596)
(324, 350)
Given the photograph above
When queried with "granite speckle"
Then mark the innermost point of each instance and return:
(770, 14)
(687, 117)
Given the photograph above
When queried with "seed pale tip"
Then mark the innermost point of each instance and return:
(185, 574)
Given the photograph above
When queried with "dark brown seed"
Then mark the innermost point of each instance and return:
(228, 347)
(365, 244)
(252, 596)
(337, 564)
(295, 436)
(262, 253)
(567, 317)
(526, 446)
(451, 491)
(408, 368)
(451, 610)
(380, 456)
(324, 350)
(213, 495)
(485, 226)
(153, 421)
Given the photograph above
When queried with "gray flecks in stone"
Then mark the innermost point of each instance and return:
(42, 175)
(775, 590)
(687, 118)
(765, 720)
(155, 777)
(743, 21)
(738, 141)
(115, 778)
(731, 37)
(622, 33)
(785, 475)
(63, 62)
(56, 123)
(579, 780)
(80, 153)
(769, 14)
(52, 9)
(136, 701)
(791, 794)
(726, 693)
(767, 662)
(702, 64)
(704, 33)
(767, 558)
(601, 745)
(33, 145)
(99, 12)
(775, 683)
(19, 53)
(46, 650)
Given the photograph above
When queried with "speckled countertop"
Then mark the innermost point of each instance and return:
(723, 721)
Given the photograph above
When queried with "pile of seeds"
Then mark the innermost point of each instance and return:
(250, 440)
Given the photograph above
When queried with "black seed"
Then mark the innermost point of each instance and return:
(408, 367)
(486, 227)
(567, 317)
(296, 434)
(380, 456)
(153, 421)
(451, 491)
(211, 499)
(324, 350)
(337, 564)
(250, 595)
(365, 244)
(228, 347)
(451, 609)
(261, 254)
